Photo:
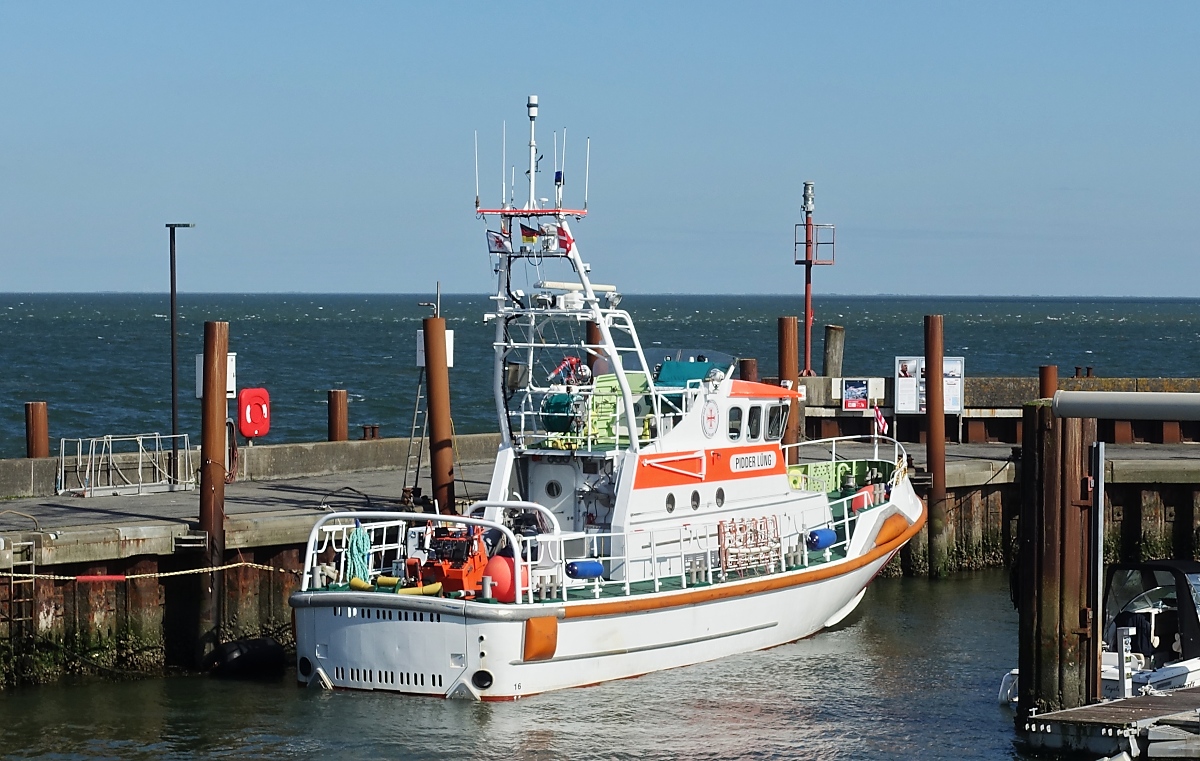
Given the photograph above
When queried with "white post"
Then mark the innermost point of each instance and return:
(1125, 661)
(532, 106)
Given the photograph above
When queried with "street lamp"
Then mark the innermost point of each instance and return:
(174, 364)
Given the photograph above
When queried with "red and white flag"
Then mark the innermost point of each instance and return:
(565, 241)
(498, 243)
(881, 425)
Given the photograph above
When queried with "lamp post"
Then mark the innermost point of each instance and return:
(174, 363)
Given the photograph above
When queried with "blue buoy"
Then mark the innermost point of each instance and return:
(585, 569)
(819, 539)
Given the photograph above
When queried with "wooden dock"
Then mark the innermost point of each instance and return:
(1147, 726)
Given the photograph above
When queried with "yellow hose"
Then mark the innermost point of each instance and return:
(428, 589)
(359, 585)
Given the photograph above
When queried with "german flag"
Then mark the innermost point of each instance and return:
(530, 234)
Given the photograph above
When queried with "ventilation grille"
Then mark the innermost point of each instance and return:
(380, 614)
(349, 676)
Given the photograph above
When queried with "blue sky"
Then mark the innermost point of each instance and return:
(961, 148)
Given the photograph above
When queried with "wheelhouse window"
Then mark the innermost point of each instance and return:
(735, 423)
(776, 421)
(754, 424)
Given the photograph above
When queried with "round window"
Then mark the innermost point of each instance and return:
(670, 503)
(695, 500)
(553, 489)
(720, 497)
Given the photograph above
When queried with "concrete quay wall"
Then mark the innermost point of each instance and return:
(38, 477)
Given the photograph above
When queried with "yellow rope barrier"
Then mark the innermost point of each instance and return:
(133, 576)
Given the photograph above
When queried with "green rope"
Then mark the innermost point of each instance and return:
(358, 554)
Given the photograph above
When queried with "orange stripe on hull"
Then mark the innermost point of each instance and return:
(708, 465)
(740, 589)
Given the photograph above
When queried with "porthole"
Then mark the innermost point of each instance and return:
(670, 503)
(720, 497)
(553, 489)
(695, 500)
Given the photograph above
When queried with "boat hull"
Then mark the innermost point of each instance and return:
(475, 650)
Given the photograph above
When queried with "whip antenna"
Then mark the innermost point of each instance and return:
(587, 167)
(477, 169)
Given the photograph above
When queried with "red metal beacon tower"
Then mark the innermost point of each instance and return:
(810, 236)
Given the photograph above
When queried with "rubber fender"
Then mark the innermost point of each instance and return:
(585, 569)
(821, 538)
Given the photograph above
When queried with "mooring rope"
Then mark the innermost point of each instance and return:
(135, 576)
(358, 554)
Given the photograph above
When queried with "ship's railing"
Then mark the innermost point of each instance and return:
(121, 465)
(645, 560)
(557, 565)
(590, 417)
(818, 460)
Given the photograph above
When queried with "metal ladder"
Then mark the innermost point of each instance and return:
(418, 433)
(21, 594)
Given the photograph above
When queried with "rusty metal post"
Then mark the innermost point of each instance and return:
(37, 430)
(213, 411)
(339, 420)
(789, 370)
(835, 347)
(1056, 647)
(748, 370)
(1047, 381)
(441, 429)
(935, 447)
(594, 338)
(809, 258)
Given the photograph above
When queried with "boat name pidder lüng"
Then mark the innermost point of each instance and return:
(643, 513)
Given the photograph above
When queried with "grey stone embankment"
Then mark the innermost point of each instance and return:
(20, 478)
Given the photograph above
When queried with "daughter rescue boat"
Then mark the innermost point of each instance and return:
(643, 513)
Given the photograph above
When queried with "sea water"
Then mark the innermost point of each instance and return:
(913, 674)
(102, 361)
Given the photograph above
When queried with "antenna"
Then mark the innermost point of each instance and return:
(560, 175)
(587, 167)
(532, 106)
(476, 169)
(503, 160)
(512, 184)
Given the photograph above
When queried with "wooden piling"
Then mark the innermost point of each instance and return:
(339, 419)
(835, 345)
(441, 428)
(789, 370)
(594, 338)
(1047, 381)
(37, 430)
(213, 411)
(935, 448)
(748, 370)
(1057, 654)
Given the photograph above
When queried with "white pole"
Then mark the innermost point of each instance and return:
(587, 168)
(476, 169)
(532, 107)
(503, 161)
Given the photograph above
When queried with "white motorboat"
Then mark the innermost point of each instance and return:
(644, 512)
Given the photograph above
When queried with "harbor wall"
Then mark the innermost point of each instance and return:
(992, 411)
(38, 477)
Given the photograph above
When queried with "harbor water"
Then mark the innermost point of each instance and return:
(912, 675)
(102, 361)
